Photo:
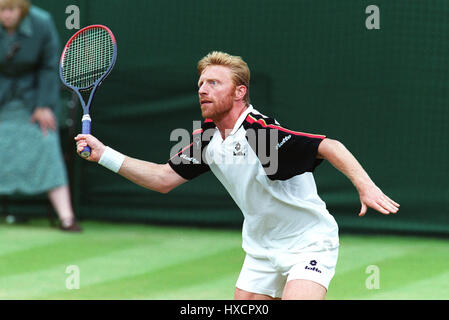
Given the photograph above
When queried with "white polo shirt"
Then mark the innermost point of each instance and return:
(267, 170)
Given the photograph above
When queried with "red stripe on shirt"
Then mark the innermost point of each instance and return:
(262, 122)
(182, 151)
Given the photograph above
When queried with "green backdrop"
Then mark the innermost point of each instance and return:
(315, 67)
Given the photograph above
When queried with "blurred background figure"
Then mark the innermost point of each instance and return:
(31, 158)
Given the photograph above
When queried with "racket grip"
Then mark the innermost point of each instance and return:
(86, 129)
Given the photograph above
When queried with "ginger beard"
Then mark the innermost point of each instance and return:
(216, 109)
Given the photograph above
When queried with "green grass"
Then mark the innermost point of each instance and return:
(129, 261)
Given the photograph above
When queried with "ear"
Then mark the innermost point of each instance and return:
(240, 92)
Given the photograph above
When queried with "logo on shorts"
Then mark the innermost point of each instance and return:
(313, 268)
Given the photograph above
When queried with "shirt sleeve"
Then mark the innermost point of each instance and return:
(297, 152)
(190, 161)
(284, 153)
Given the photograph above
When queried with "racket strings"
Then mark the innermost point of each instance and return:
(88, 57)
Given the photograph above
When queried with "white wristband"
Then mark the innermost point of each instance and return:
(112, 159)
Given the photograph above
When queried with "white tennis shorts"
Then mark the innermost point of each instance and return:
(269, 275)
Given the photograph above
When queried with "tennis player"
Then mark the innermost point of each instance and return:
(290, 239)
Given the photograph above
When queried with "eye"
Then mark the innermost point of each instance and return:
(213, 82)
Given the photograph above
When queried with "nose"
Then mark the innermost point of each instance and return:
(202, 89)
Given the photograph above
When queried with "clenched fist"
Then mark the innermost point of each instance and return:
(97, 148)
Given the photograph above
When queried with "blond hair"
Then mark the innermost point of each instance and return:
(239, 69)
(24, 5)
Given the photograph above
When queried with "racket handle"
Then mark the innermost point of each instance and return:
(85, 129)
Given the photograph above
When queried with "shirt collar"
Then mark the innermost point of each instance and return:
(242, 118)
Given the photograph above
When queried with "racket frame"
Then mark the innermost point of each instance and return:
(86, 120)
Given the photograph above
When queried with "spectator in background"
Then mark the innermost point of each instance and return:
(31, 160)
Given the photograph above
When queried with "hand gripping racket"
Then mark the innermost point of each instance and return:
(87, 59)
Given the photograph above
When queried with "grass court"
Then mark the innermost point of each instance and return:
(133, 261)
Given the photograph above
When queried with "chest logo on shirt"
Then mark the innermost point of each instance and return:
(238, 150)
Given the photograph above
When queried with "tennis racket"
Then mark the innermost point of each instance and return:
(87, 59)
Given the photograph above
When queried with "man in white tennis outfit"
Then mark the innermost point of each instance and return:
(290, 239)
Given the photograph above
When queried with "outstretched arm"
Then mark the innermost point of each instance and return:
(370, 195)
(158, 177)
